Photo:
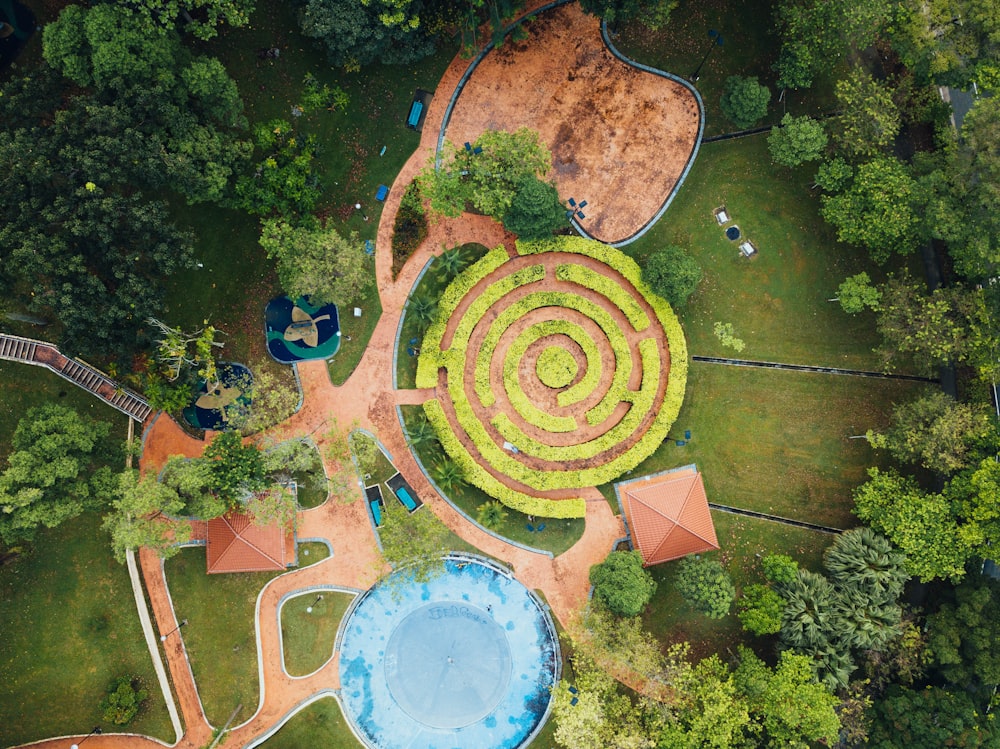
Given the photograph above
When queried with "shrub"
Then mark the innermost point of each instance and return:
(798, 140)
(535, 210)
(673, 274)
(556, 367)
(622, 584)
(609, 288)
(744, 101)
(706, 586)
(491, 514)
(124, 700)
(409, 229)
(760, 610)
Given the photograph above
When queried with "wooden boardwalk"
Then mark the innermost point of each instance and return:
(81, 374)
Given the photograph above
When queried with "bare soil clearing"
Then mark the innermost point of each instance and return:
(620, 137)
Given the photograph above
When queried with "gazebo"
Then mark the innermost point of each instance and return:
(236, 544)
(667, 515)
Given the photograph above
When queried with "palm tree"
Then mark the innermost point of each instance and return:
(831, 665)
(491, 514)
(865, 563)
(423, 309)
(449, 475)
(861, 625)
(420, 432)
(450, 263)
(809, 611)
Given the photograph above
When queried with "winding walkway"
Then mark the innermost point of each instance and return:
(367, 400)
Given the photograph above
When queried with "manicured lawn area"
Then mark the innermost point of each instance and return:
(307, 636)
(220, 637)
(69, 628)
(359, 330)
(24, 386)
(777, 442)
(431, 286)
(558, 536)
(320, 724)
(744, 541)
(777, 300)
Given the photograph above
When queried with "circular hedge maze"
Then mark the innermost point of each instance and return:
(554, 370)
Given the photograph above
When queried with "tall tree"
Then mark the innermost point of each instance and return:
(201, 17)
(622, 584)
(964, 637)
(673, 274)
(744, 101)
(237, 469)
(930, 718)
(869, 120)
(706, 586)
(935, 431)
(139, 517)
(650, 13)
(876, 209)
(796, 141)
(535, 210)
(922, 525)
(56, 471)
(317, 262)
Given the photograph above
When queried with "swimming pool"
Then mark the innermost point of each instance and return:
(464, 660)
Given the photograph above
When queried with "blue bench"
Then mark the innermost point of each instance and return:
(416, 109)
(406, 499)
(381, 193)
(376, 513)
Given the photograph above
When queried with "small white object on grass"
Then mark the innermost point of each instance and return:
(357, 312)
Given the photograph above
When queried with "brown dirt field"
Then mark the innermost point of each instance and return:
(620, 137)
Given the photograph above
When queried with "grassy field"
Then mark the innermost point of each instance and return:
(307, 636)
(777, 301)
(69, 630)
(744, 541)
(319, 724)
(777, 442)
(558, 536)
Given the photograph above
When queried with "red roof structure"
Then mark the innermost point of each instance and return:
(236, 544)
(668, 515)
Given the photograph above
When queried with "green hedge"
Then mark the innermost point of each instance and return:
(610, 289)
(547, 508)
(454, 359)
(521, 403)
(556, 367)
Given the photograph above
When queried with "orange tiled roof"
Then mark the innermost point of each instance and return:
(236, 544)
(668, 516)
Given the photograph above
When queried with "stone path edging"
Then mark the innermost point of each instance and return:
(809, 368)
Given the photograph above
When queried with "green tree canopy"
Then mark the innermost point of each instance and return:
(317, 262)
(237, 469)
(869, 120)
(760, 609)
(964, 636)
(705, 585)
(535, 210)
(876, 210)
(201, 17)
(935, 431)
(672, 273)
(650, 13)
(488, 180)
(930, 718)
(923, 526)
(744, 101)
(56, 471)
(139, 517)
(857, 293)
(622, 584)
(798, 140)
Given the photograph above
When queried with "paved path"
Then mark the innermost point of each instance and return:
(368, 400)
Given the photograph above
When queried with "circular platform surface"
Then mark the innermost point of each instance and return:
(465, 659)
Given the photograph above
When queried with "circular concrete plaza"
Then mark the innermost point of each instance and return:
(465, 659)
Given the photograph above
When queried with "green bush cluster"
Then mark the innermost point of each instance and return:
(608, 288)
(409, 228)
(478, 476)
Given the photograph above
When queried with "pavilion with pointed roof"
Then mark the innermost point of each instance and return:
(236, 544)
(667, 515)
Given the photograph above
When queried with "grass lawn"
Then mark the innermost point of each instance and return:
(307, 636)
(220, 637)
(70, 628)
(743, 541)
(777, 442)
(312, 483)
(320, 724)
(25, 386)
(359, 330)
(431, 286)
(776, 301)
(558, 536)
(749, 48)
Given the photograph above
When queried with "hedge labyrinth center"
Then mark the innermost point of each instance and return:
(553, 370)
